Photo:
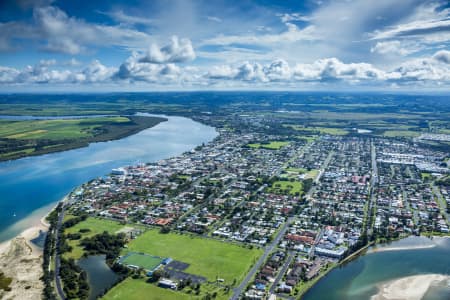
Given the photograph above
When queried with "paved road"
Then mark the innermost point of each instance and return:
(373, 183)
(442, 203)
(282, 271)
(59, 288)
(238, 290)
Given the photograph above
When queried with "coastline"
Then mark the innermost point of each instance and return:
(377, 248)
(411, 287)
(21, 260)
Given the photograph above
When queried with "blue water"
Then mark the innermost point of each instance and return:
(100, 276)
(360, 278)
(31, 185)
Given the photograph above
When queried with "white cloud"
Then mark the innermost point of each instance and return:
(177, 51)
(96, 72)
(57, 32)
(442, 56)
(121, 17)
(285, 18)
(433, 70)
(214, 19)
(428, 23)
(394, 48)
(133, 70)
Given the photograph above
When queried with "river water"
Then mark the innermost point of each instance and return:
(362, 277)
(31, 186)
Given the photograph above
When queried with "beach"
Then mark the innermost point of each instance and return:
(407, 288)
(21, 260)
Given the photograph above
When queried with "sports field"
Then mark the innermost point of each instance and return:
(142, 260)
(137, 289)
(206, 257)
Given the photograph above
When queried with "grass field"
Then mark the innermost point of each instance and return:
(286, 187)
(401, 133)
(145, 261)
(136, 289)
(95, 226)
(207, 257)
(274, 145)
(322, 130)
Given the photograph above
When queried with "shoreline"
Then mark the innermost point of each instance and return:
(21, 260)
(371, 248)
(410, 287)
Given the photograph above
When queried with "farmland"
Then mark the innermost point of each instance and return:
(34, 137)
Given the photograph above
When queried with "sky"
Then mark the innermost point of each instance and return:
(133, 45)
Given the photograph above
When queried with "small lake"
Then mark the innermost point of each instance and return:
(360, 278)
(100, 276)
(31, 186)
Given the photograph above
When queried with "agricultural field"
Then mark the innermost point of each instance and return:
(285, 187)
(33, 137)
(95, 226)
(401, 133)
(274, 145)
(207, 257)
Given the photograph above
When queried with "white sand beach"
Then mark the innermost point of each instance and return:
(21, 260)
(408, 288)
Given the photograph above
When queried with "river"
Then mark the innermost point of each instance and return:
(380, 266)
(31, 186)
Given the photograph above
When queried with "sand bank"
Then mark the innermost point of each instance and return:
(21, 260)
(407, 288)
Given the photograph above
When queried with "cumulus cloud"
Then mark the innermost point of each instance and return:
(41, 74)
(322, 70)
(176, 52)
(433, 70)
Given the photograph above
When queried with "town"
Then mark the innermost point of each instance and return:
(306, 203)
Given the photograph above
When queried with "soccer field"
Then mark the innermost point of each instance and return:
(145, 261)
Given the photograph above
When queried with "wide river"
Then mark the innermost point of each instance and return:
(30, 186)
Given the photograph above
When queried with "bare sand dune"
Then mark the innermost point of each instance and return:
(22, 261)
(407, 288)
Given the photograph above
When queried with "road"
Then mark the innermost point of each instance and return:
(59, 288)
(373, 183)
(442, 203)
(283, 270)
(269, 249)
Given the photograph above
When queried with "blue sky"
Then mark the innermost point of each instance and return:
(213, 45)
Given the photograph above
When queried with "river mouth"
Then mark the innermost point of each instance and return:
(29, 184)
(383, 270)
